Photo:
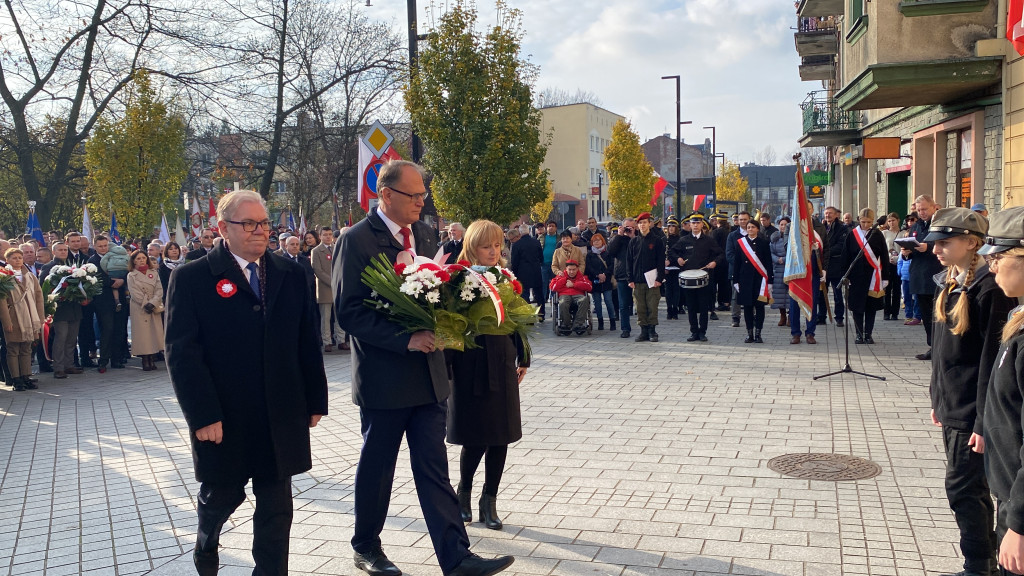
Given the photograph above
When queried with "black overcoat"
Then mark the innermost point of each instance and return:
(483, 409)
(262, 375)
(744, 272)
(526, 260)
(385, 374)
(835, 244)
(860, 277)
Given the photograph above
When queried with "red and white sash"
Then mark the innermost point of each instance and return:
(875, 289)
(764, 294)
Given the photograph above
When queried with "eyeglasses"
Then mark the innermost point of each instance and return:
(995, 258)
(416, 197)
(250, 225)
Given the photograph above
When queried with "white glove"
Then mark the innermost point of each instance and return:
(885, 284)
(737, 287)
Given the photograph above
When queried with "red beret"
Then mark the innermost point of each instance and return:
(571, 263)
(643, 216)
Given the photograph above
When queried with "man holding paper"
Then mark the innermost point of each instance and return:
(645, 259)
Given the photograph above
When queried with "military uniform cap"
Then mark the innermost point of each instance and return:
(1006, 231)
(672, 221)
(950, 222)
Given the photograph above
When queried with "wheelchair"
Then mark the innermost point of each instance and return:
(553, 303)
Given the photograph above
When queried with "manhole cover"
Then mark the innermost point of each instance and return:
(830, 467)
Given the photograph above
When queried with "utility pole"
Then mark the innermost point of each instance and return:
(679, 144)
(413, 57)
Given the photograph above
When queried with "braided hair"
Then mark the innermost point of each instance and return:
(960, 314)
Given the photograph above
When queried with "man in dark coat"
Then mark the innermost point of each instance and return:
(205, 246)
(246, 368)
(924, 267)
(731, 247)
(618, 247)
(113, 323)
(526, 260)
(835, 245)
(400, 383)
(646, 253)
(723, 288)
(697, 251)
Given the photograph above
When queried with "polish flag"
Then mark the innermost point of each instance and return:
(660, 185)
(1015, 26)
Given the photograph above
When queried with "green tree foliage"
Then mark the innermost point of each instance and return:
(631, 178)
(731, 185)
(136, 163)
(471, 103)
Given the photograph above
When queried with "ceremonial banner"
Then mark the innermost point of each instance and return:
(1015, 26)
(799, 271)
(165, 234)
(375, 150)
(86, 223)
(197, 218)
(115, 236)
(213, 214)
(32, 227)
(659, 187)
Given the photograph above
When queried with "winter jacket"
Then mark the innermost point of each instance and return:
(580, 284)
(1004, 431)
(595, 266)
(618, 246)
(562, 256)
(646, 253)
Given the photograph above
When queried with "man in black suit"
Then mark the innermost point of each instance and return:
(925, 266)
(400, 383)
(247, 372)
(526, 259)
(205, 245)
(113, 322)
(835, 242)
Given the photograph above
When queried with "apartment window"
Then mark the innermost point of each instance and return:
(857, 20)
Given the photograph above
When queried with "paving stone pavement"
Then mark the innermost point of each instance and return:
(637, 460)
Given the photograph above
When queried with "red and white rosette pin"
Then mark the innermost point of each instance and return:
(226, 288)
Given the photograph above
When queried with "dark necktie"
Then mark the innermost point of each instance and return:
(254, 279)
(406, 233)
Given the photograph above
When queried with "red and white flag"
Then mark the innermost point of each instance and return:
(213, 214)
(1015, 25)
(659, 187)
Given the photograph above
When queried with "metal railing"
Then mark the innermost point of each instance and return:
(821, 113)
(816, 24)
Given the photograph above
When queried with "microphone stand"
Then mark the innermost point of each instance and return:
(845, 283)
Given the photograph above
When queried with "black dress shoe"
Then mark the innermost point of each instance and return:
(713, 316)
(376, 563)
(206, 562)
(735, 323)
(474, 565)
(926, 356)
(859, 340)
(839, 323)
(88, 364)
(703, 338)
(625, 334)
(692, 338)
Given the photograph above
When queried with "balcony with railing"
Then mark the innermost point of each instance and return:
(826, 124)
(816, 36)
(820, 67)
(820, 7)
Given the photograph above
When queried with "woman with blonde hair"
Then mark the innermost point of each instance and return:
(870, 275)
(483, 409)
(1004, 433)
(21, 315)
(970, 311)
(147, 304)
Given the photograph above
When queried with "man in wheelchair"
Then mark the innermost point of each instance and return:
(573, 290)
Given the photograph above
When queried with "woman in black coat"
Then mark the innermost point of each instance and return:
(753, 288)
(866, 290)
(483, 409)
(170, 259)
(599, 270)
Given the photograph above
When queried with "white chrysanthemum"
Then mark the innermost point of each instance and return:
(467, 294)
(490, 277)
(411, 287)
(433, 296)
(90, 268)
(91, 280)
(78, 273)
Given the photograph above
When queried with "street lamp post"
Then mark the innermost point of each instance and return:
(600, 192)
(413, 56)
(714, 174)
(679, 148)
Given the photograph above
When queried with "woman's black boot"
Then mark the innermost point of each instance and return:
(466, 503)
(757, 337)
(750, 337)
(489, 512)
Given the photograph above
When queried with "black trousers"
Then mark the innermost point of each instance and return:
(891, 300)
(86, 333)
(863, 321)
(111, 335)
(1001, 528)
(272, 520)
(968, 496)
(698, 303)
(724, 287)
(926, 302)
(839, 308)
(672, 295)
(5, 370)
(753, 315)
(424, 429)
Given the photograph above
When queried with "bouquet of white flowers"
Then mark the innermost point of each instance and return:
(71, 284)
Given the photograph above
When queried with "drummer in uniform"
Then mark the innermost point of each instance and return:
(694, 253)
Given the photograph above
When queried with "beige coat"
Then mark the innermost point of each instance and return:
(29, 293)
(560, 257)
(147, 329)
(320, 258)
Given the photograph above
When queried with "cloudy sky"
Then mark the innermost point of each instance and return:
(736, 59)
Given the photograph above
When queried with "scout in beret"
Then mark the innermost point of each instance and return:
(970, 311)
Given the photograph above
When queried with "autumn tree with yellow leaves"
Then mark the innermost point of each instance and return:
(136, 162)
(540, 211)
(731, 185)
(630, 176)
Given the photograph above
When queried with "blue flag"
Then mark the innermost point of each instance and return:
(291, 221)
(33, 228)
(114, 234)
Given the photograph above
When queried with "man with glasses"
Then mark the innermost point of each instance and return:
(243, 358)
(924, 266)
(206, 244)
(400, 383)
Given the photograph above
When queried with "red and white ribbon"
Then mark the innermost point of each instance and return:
(764, 294)
(875, 289)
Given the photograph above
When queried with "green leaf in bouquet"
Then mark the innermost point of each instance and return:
(450, 331)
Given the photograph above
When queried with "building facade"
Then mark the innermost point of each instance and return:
(696, 161)
(911, 100)
(579, 134)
